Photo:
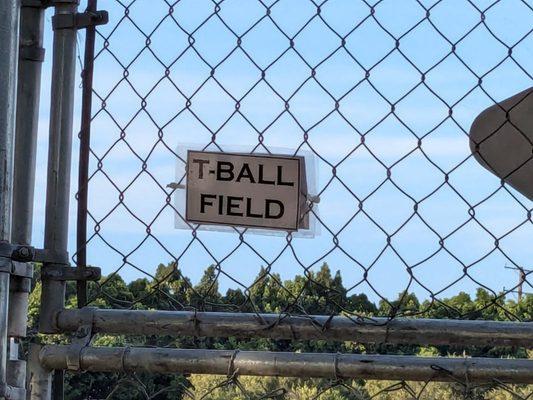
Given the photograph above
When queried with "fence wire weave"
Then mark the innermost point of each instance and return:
(218, 387)
(382, 95)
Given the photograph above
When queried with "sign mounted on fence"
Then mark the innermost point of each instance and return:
(261, 191)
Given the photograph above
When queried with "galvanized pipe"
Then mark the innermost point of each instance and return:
(16, 374)
(338, 328)
(28, 91)
(303, 365)
(4, 305)
(39, 377)
(59, 160)
(9, 28)
(27, 121)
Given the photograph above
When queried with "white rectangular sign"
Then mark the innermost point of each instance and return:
(260, 191)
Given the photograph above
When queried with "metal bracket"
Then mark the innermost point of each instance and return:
(19, 284)
(14, 268)
(80, 20)
(46, 3)
(31, 53)
(63, 273)
(15, 259)
(23, 270)
(23, 253)
(36, 3)
(81, 339)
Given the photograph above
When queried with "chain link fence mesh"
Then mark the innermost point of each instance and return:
(382, 94)
(219, 387)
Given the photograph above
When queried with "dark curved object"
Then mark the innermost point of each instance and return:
(501, 140)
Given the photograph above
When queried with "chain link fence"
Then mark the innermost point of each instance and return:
(383, 103)
(380, 97)
(220, 387)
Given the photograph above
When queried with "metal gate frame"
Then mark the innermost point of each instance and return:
(86, 321)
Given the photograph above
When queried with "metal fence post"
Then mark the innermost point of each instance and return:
(28, 89)
(9, 15)
(83, 168)
(31, 56)
(39, 381)
(59, 158)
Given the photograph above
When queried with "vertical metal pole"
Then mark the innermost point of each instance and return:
(28, 89)
(59, 160)
(9, 26)
(85, 140)
(4, 304)
(16, 371)
(31, 56)
(39, 378)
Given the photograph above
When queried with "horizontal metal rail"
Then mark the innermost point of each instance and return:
(308, 365)
(337, 328)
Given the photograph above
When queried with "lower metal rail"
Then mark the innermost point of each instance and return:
(308, 365)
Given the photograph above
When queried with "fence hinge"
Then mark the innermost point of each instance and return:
(80, 20)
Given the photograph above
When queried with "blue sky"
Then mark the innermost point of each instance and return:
(165, 82)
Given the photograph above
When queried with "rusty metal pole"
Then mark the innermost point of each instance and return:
(83, 169)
